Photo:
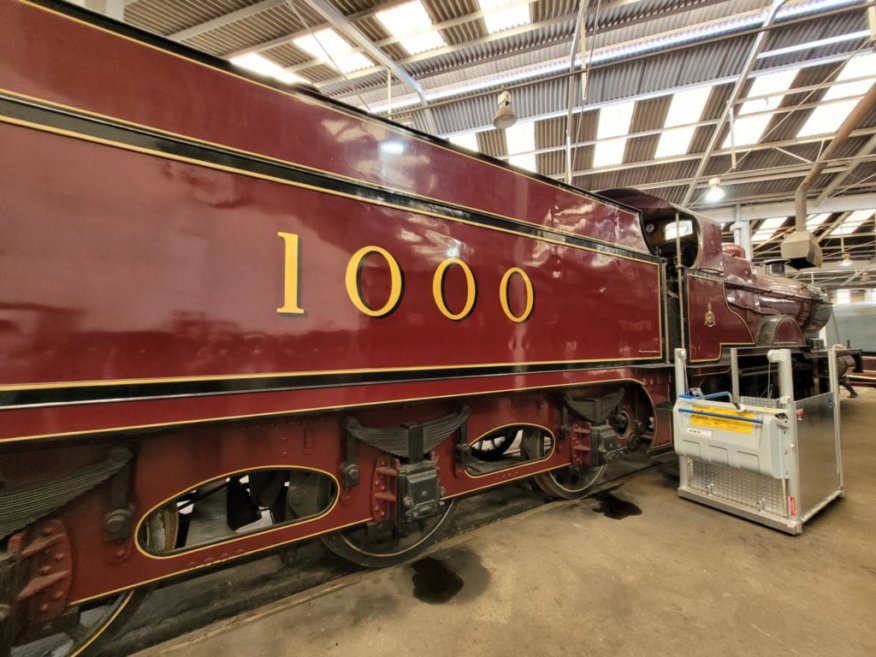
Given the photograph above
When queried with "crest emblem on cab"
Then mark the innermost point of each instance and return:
(710, 317)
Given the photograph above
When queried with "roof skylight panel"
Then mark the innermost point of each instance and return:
(768, 228)
(860, 66)
(467, 140)
(853, 222)
(501, 15)
(614, 124)
(674, 141)
(327, 45)
(685, 108)
(524, 161)
(609, 152)
(614, 120)
(260, 64)
(815, 220)
(411, 25)
(520, 139)
(828, 118)
(747, 130)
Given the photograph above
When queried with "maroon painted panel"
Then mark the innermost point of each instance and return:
(138, 267)
(756, 295)
(711, 253)
(215, 106)
(788, 332)
(711, 323)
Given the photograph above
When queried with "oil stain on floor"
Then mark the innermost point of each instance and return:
(615, 508)
(434, 582)
(454, 574)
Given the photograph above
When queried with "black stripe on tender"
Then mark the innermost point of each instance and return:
(163, 389)
(66, 8)
(104, 129)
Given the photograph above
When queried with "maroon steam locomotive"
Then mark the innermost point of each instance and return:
(333, 325)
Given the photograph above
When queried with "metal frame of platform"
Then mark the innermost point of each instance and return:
(776, 461)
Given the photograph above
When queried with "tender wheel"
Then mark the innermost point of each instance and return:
(378, 545)
(492, 447)
(93, 624)
(567, 482)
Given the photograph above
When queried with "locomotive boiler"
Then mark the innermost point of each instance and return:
(236, 295)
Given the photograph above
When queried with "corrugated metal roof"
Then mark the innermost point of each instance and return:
(474, 56)
(168, 16)
(263, 26)
(445, 10)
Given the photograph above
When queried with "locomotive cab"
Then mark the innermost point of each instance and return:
(670, 232)
(674, 238)
(674, 235)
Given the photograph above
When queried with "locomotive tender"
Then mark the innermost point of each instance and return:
(239, 296)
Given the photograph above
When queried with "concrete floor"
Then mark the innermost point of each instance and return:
(565, 579)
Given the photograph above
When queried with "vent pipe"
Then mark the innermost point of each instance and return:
(842, 134)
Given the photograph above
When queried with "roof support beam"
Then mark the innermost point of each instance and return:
(669, 91)
(340, 23)
(695, 156)
(577, 34)
(328, 11)
(840, 178)
(750, 62)
(827, 230)
(842, 136)
(755, 212)
(743, 177)
(279, 41)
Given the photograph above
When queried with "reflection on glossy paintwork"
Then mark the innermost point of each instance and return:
(181, 246)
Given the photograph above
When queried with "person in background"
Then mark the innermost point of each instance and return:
(845, 364)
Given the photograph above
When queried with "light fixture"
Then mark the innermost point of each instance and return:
(846, 261)
(716, 192)
(505, 116)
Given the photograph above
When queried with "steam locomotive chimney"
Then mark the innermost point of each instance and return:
(801, 249)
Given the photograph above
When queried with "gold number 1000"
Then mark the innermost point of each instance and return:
(292, 292)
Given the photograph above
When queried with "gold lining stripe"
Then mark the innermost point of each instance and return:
(234, 539)
(375, 185)
(299, 411)
(274, 546)
(122, 605)
(215, 562)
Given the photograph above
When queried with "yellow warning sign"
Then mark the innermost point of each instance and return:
(727, 421)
